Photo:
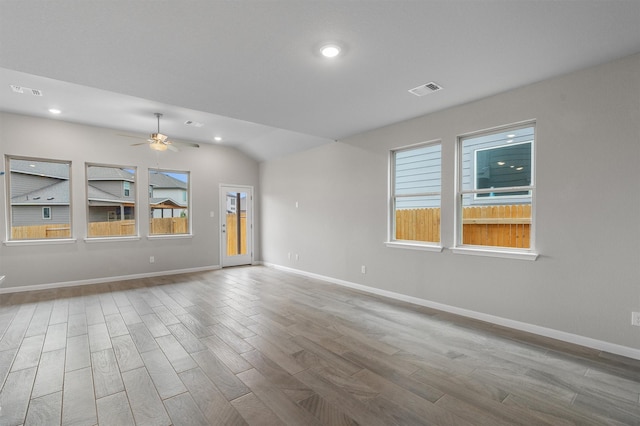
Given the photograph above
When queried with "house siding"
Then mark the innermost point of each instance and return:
(32, 215)
(116, 188)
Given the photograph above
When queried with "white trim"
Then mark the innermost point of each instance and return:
(169, 236)
(505, 322)
(106, 279)
(505, 254)
(413, 246)
(110, 239)
(1, 278)
(39, 242)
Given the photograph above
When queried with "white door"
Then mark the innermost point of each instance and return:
(236, 225)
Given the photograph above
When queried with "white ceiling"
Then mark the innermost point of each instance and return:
(250, 71)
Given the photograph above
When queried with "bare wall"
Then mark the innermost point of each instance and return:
(58, 263)
(586, 281)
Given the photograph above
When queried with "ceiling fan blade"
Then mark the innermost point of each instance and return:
(141, 143)
(130, 136)
(172, 148)
(186, 144)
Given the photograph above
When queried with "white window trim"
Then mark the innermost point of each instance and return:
(189, 209)
(392, 242)
(494, 251)
(136, 236)
(9, 210)
(407, 244)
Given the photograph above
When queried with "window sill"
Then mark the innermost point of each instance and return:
(110, 239)
(413, 246)
(40, 242)
(169, 236)
(506, 254)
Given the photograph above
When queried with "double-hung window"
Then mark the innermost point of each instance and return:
(415, 195)
(39, 199)
(496, 189)
(169, 202)
(111, 201)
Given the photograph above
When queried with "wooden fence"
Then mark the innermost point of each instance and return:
(59, 230)
(498, 226)
(169, 225)
(112, 229)
(232, 234)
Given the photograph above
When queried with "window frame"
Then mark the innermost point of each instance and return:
(136, 214)
(392, 242)
(9, 210)
(529, 253)
(189, 209)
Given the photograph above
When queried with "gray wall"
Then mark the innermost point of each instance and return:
(209, 166)
(587, 279)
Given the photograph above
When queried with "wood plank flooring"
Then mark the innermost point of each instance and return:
(258, 346)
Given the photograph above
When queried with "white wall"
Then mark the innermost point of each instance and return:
(586, 281)
(60, 263)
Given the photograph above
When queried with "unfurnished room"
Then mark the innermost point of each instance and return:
(376, 212)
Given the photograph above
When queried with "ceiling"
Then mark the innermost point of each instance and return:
(251, 73)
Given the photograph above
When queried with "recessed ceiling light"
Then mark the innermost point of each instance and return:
(217, 138)
(330, 50)
(54, 111)
(511, 136)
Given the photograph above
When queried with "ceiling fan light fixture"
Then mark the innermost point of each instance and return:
(158, 146)
(159, 137)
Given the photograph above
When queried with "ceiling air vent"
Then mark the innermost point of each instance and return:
(425, 89)
(20, 89)
(193, 123)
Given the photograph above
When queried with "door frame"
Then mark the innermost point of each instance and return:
(222, 212)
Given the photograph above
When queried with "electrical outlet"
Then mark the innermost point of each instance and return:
(152, 259)
(363, 269)
(635, 318)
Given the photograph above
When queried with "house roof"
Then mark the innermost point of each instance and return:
(162, 180)
(58, 193)
(40, 168)
(109, 173)
(95, 194)
(166, 200)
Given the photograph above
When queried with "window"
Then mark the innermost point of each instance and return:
(39, 199)
(415, 194)
(110, 201)
(168, 202)
(496, 188)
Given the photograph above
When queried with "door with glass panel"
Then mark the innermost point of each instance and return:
(236, 225)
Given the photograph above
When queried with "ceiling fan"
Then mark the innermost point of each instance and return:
(159, 142)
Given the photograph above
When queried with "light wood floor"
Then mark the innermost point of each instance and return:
(259, 346)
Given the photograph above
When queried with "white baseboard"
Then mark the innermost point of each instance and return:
(505, 322)
(104, 279)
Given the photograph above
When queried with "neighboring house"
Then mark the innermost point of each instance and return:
(111, 194)
(39, 193)
(168, 196)
(487, 162)
(232, 202)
